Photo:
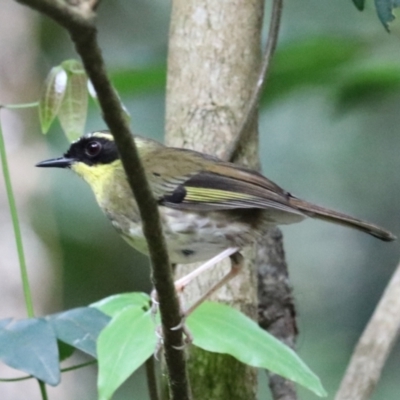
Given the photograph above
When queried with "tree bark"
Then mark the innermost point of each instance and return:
(214, 58)
(276, 308)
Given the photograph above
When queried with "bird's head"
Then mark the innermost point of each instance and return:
(95, 157)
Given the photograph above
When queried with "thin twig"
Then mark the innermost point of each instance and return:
(272, 40)
(81, 27)
(20, 106)
(68, 369)
(151, 378)
(374, 345)
(43, 390)
(17, 227)
(18, 241)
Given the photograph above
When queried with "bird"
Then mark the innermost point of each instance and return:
(209, 209)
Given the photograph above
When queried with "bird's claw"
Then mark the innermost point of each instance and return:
(181, 324)
(187, 335)
(187, 338)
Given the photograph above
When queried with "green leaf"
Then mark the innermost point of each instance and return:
(359, 4)
(51, 97)
(221, 329)
(123, 346)
(73, 110)
(384, 9)
(115, 304)
(30, 345)
(79, 327)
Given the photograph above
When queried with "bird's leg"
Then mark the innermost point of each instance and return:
(237, 262)
(181, 283)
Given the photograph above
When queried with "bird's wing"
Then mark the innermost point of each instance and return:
(225, 186)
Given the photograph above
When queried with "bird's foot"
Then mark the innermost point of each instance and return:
(187, 336)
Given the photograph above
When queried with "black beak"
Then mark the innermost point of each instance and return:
(61, 162)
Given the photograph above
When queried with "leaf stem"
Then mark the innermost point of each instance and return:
(19, 106)
(68, 369)
(18, 240)
(16, 226)
(43, 390)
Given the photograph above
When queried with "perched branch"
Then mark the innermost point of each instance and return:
(374, 346)
(272, 40)
(79, 21)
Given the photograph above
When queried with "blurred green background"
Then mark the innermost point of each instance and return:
(328, 133)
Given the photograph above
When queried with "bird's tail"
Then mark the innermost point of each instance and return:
(326, 214)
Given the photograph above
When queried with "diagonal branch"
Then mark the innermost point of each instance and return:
(79, 21)
(374, 346)
(272, 40)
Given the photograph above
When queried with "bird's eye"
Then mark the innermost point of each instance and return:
(92, 149)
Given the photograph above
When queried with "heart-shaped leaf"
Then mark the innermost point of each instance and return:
(79, 327)
(221, 329)
(30, 345)
(51, 97)
(123, 346)
(73, 110)
(114, 304)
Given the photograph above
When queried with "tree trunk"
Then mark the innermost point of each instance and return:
(214, 58)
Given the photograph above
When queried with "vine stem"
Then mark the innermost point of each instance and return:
(275, 22)
(18, 240)
(43, 391)
(68, 369)
(16, 226)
